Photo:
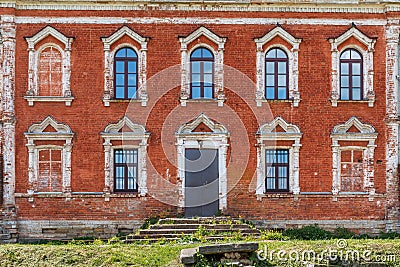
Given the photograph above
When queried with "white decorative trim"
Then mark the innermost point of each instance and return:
(366, 133)
(216, 139)
(267, 132)
(368, 64)
(293, 56)
(7, 108)
(392, 33)
(196, 21)
(217, 6)
(32, 99)
(36, 133)
(113, 132)
(109, 63)
(219, 94)
(32, 93)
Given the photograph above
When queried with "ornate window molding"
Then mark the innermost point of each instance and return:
(216, 137)
(125, 131)
(365, 133)
(293, 53)
(109, 54)
(266, 138)
(32, 94)
(59, 132)
(219, 94)
(367, 53)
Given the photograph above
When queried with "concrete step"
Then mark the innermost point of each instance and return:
(197, 225)
(201, 220)
(5, 236)
(192, 231)
(168, 239)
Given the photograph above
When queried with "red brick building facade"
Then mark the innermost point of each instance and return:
(292, 106)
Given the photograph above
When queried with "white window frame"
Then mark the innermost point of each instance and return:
(109, 89)
(32, 94)
(366, 133)
(112, 133)
(267, 133)
(216, 139)
(293, 61)
(36, 133)
(219, 94)
(367, 60)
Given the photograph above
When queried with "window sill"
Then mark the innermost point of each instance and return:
(295, 102)
(202, 100)
(275, 195)
(135, 100)
(32, 99)
(370, 102)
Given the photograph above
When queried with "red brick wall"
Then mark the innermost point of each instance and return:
(87, 117)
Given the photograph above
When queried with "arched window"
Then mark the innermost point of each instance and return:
(125, 73)
(50, 72)
(202, 72)
(276, 74)
(351, 83)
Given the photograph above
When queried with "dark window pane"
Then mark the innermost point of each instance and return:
(120, 79)
(270, 183)
(356, 93)
(355, 54)
(356, 68)
(271, 53)
(356, 81)
(132, 67)
(208, 67)
(131, 53)
(195, 92)
(270, 93)
(282, 80)
(270, 80)
(344, 68)
(281, 92)
(196, 78)
(344, 81)
(196, 53)
(131, 92)
(207, 53)
(119, 92)
(132, 80)
(208, 92)
(121, 53)
(119, 66)
(344, 94)
(196, 67)
(281, 54)
(270, 66)
(282, 67)
(345, 55)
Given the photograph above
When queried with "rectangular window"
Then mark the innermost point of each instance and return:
(277, 170)
(125, 170)
(50, 170)
(351, 171)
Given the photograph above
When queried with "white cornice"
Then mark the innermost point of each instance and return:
(329, 6)
(195, 21)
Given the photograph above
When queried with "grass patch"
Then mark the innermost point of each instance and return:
(103, 254)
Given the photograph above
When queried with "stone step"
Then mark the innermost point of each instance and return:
(192, 231)
(168, 239)
(201, 220)
(5, 236)
(197, 225)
